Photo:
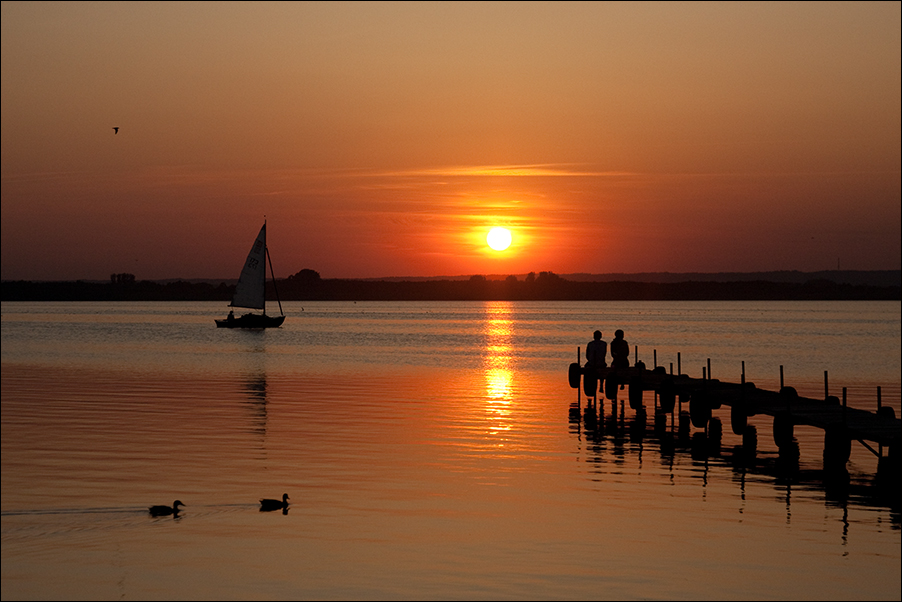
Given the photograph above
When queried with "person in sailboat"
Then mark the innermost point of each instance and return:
(231, 317)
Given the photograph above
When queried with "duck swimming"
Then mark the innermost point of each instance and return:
(165, 510)
(267, 505)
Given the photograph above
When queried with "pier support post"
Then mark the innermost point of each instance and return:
(635, 392)
(738, 417)
(783, 429)
(837, 447)
(667, 396)
(610, 386)
(699, 409)
(684, 425)
(590, 383)
(844, 390)
(750, 439)
(879, 408)
(574, 375)
(715, 435)
(660, 423)
(783, 422)
(748, 402)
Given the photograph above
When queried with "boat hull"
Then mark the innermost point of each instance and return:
(251, 321)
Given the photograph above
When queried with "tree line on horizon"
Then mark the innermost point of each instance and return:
(308, 285)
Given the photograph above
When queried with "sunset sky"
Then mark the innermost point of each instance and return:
(387, 139)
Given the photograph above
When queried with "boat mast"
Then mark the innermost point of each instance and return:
(271, 272)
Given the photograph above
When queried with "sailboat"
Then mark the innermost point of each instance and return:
(250, 291)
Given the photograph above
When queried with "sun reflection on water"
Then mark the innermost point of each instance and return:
(497, 365)
(498, 385)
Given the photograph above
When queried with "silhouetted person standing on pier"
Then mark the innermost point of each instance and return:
(596, 352)
(620, 351)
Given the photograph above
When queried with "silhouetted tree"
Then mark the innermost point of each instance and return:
(546, 278)
(305, 276)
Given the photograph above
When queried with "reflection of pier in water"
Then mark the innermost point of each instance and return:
(671, 428)
(613, 437)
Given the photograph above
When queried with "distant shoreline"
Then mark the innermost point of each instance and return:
(307, 285)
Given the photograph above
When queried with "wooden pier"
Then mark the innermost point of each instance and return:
(880, 432)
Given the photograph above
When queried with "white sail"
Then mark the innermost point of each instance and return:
(252, 282)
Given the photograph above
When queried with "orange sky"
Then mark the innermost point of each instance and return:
(386, 139)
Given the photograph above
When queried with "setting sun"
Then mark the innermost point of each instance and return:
(499, 238)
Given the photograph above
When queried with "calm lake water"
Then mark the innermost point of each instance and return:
(430, 451)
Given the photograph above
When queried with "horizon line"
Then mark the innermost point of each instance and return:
(487, 275)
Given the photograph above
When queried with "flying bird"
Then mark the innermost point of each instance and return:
(115, 131)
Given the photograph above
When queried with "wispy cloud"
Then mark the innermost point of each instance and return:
(543, 170)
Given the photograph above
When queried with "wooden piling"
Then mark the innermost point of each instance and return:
(879, 445)
(788, 408)
(844, 405)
